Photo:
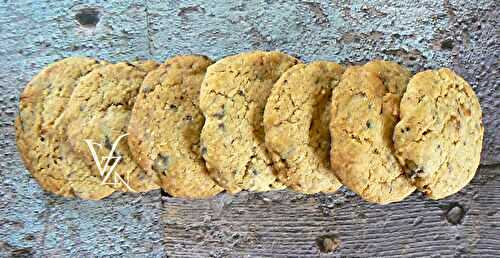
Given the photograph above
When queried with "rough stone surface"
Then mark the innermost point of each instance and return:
(421, 34)
(35, 223)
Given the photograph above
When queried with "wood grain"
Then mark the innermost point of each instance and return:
(287, 224)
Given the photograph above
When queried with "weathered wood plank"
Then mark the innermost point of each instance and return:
(287, 224)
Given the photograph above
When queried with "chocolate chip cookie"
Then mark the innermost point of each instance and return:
(232, 99)
(365, 109)
(296, 120)
(98, 114)
(40, 135)
(439, 137)
(164, 129)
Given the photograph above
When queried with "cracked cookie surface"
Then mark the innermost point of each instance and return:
(232, 99)
(439, 137)
(99, 110)
(40, 134)
(365, 109)
(296, 120)
(164, 129)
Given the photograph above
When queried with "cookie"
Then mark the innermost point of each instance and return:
(439, 137)
(164, 129)
(296, 120)
(97, 115)
(40, 136)
(365, 109)
(232, 99)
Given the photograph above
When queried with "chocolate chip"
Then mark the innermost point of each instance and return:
(161, 163)
(107, 143)
(219, 114)
(146, 89)
(114, 159)
(203, 150)
(173, 107)
(221, 126)
(368, 124)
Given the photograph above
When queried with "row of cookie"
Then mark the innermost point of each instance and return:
(243, 147)
(273, 122)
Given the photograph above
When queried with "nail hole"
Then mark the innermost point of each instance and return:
(88, 17)
(447, 44)
(455, 213)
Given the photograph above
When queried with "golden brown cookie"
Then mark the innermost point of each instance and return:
(439, 137)
(99, 112)
(40, 134)
(365, 109)
(296, 120)
(164, 130)
(232, 99)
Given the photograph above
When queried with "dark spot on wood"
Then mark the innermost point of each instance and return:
(24, 252)
(88, 17)
(327, 244)
(447, 44)
(183, 11)
(455, 213)
(320, 17)
(29, 237)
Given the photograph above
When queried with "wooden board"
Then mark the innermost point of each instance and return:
(420, 34)
(284, 224)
